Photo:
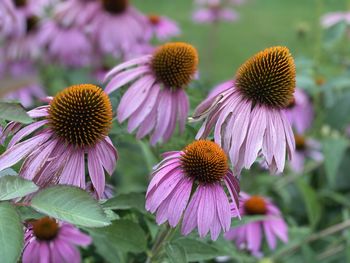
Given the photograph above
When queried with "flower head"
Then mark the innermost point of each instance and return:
(300, 112)
(75, 124)
(250, 235)
(201, 165)
(49, 241)
(101, 18)
(162, 27)
(248, 112)
(156, 99)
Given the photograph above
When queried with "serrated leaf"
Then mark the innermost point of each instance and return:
(13, 111)
(70, 204)
(197, 250)
(11, 233)
(13, 186)
(175, 253)
(122, 235)
(312, 203)
(126, 201)
(334, 150)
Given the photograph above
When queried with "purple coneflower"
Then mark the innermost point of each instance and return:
(214, 13)
(305, 148)
(55, 36)
(27, 92)
(156, 100)
(116, 26)
(49, 241)
(75, 124)
(300, 112)
(162, 27)
(8, 21)
(250, 235)
(202, 164)
(330, 19)
(248, 116)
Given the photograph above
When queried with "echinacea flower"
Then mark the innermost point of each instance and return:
(250, 235)
(116, 26)
(248, 117)
(55, 36)
(75, 125)
(156, 100)
(24, 46)
(49, 241)
(162, 27)
(29, 89)
(202, 165)
(305, 148)
(300, 112)
(8, 21)
(214, 13)
(330, 19)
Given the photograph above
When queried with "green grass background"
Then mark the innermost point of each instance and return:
(263, 23)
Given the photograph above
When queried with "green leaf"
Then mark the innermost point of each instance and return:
(334, 150)
(122, 235)
(312, 203)
(126, 201)
(13, 186)
(197, 250)
(70, 204)
(11, 233)
(175, 253)
(338, 115)
(28, 213)
(13, 111)
(8, 171)
(151, 160)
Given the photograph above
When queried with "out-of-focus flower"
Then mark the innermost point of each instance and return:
(162, 27)
(8, 20)
(213, 14)
(203, 164)
(300, 112)
(116, 26)
(250, 235)
(248, 116)
(107, 194)
(55, 36)
(49, 241)
(75, 124)
(305, 148)
(331, 19)
(24, 46)
(156, 100)
(21, 69)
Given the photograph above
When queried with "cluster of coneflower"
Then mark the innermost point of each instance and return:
(195, 186)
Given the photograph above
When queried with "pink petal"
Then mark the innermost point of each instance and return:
(74, 170)
(206, 210)
(21, 150)
(96, 172)
(25, 132)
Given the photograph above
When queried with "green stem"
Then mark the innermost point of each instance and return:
(162, 238)
(316, 236)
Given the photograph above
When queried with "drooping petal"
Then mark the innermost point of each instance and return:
(26, 131)
(130, 63)
(134, 97)
(206, 209)
(96, 171)
(21, 150)
(74, 169)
